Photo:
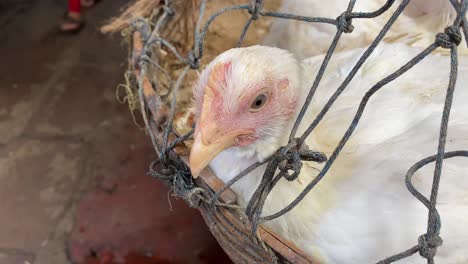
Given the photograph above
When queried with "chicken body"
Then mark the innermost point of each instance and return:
(416, 26)
(361, 211)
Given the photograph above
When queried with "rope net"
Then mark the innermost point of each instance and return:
(288, 159)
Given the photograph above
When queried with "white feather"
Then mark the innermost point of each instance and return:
(361, 211)
(417, 26)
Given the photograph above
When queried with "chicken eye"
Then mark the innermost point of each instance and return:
(259, 102)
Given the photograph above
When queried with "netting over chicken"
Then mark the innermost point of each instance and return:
(323, 129)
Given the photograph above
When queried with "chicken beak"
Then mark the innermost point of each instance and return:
(209, 141)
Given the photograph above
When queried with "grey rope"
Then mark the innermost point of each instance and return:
(286, 162)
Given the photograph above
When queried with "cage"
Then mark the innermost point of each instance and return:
(169, 39)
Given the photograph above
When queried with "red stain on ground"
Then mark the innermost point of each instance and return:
(134, 258)
(132, 218)
(131, 258)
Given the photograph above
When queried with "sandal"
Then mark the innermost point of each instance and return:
(71, 25)
(89, 3)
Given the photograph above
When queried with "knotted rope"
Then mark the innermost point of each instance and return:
(344, 23)
(428, 246)
(451, 37)
(287, 161)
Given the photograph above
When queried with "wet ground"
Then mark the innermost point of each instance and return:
(73, 183)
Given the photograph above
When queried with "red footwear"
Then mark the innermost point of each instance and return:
(71, 25)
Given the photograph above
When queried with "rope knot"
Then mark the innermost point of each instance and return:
(428, 245)
(144, 56)
(194, 62)
(166, 173)
(254, 9)
(141, 25)
(344, 23)
(450, 38)
(195, 196)
(169, 10)
(291, 165)
(293, 154)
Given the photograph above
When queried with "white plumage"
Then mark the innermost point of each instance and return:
(416, 26)
(361, 211)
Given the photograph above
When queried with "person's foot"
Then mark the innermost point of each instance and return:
(88, 3)
(72, 23)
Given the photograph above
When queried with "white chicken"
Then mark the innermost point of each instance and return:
(416, 26)
(246, 102)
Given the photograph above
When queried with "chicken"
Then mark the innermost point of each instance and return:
(246, 101)
(416, 26)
